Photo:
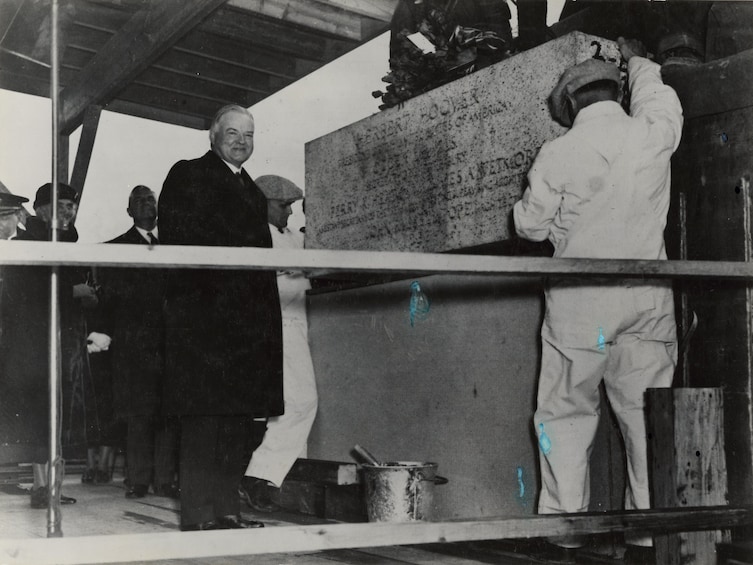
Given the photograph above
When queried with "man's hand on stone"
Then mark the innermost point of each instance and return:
(630, 48)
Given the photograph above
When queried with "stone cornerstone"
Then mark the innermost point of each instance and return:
(442, 171)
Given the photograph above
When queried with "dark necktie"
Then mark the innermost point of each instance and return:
(152, 239)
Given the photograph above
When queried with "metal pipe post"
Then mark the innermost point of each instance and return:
(53, 479)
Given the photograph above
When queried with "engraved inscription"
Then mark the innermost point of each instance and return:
(443, 171)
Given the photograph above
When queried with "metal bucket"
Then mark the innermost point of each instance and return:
(400, 491)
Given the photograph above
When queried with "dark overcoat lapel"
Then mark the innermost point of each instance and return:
(131, 236)
(223, 327)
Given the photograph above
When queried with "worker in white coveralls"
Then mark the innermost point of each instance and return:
(286, 436)
(602, 190)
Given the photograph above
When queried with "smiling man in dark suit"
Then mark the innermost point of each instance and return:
(133, 317)
(223, 355)
(142, 208)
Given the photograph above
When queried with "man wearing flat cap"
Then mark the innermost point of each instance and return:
(286, 436)
(602, 191)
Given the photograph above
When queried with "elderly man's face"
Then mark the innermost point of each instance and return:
(8, 224)
(142, 205)
(67, 210)
(233, 137)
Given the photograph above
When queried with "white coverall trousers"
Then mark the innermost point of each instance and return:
(286, 437)
(612, 332)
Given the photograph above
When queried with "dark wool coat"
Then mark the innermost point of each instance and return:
(24, 366)
(223, 332)
(132, 315)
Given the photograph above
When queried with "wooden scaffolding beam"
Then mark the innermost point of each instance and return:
(319, 260)
(295, 539)
(148, 34)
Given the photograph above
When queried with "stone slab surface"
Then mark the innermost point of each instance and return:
(442, 171)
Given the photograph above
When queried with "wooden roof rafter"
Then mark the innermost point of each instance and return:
(146, 35)
(257, 29)
(179, 72)
(309, 14)
(376, 9)
(176, 61)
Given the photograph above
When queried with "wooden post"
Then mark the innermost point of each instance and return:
(686, 457)
(85, 149)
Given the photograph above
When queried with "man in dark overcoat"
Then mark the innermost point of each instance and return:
(24, 350)
(223, 335)
(133, 317)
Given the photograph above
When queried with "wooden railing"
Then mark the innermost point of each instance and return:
(140, 548)
(330, 261)
(287, 539)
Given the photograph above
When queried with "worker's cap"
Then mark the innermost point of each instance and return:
(591, 70)
(278, 188)
(44, 194)
(10, 203)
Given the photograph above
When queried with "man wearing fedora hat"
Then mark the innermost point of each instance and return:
(11, 210)
(601, 190)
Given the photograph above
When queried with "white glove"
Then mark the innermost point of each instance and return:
(96, 342)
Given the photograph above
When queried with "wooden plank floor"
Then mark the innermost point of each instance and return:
(104, 510)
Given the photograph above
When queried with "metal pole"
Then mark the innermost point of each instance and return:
(53, 479)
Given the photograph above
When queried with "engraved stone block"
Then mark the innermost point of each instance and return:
(442, 171)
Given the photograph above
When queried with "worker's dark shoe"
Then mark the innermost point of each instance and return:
(639, 555)
(169, 490)
(556, 553)
(236, 523)
(40, 496)
(201, 526)
(136, 491)
(88, 476)
(257, 494)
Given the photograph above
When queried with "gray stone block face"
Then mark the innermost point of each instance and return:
(443, 171)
